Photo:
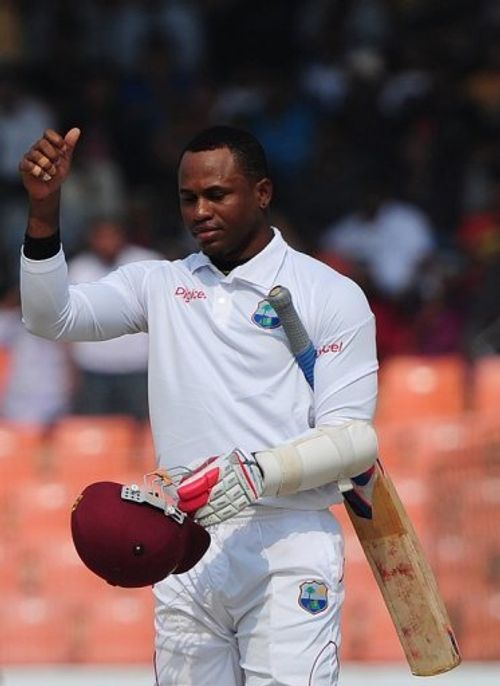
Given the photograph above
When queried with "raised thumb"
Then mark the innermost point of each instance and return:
(71, 139)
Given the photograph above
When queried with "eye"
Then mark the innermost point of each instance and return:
(217, 194)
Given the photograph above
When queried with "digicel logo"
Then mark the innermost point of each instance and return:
(330, 348)
(189, 294)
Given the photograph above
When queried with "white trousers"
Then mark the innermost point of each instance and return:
(262, 608)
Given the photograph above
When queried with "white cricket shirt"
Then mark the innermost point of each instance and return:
(119, 355)
(221, 374)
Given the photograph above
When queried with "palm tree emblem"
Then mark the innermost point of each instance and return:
(313, 596)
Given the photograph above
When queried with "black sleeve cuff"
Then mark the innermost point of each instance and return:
(42, 248)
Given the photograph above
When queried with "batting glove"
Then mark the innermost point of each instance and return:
(360, 498)
(221, 487)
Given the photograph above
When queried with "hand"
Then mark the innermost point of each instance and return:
(360, 497)
(221, 487)
(47, 163)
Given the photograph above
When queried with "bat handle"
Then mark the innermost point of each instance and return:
(301, 345)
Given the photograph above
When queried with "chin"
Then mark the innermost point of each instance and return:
(209, 250)
(212, 250)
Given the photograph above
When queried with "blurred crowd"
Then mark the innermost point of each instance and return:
(381, 119)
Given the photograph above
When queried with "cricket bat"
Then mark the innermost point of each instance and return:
(391, 546)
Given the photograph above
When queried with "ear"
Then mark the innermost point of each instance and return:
(264, 193)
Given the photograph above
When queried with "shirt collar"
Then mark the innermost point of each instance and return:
(260, 271)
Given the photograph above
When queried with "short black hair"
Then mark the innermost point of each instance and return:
(244, 146)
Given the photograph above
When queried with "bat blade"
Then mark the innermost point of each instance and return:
(406, 581)
(391, 546)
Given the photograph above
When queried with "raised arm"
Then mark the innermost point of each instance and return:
(51, 308)
(44, 168)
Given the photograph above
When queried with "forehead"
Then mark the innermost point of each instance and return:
(209, 167)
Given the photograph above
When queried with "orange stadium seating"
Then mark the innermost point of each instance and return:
(4, 368)
(118, 626)
(21, 452)
(485, 390)
(145, 447)
(36, 629)
(21, 466)
(94, 448)
(412, 387)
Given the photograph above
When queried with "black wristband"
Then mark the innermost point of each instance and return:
(42, 248)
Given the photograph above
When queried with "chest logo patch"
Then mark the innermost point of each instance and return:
(313, 596)
(265, 316)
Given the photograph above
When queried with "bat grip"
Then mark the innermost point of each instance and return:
(280, 299)
(301, 345)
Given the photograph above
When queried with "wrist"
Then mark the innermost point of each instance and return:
(41, 248)
(272, 474)
(43, 218)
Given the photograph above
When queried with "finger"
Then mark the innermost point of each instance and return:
(190, 506)
(49, 149)
(53, 137)
(199, 484)
(38, 160)
(39, 173)
(44, 155)
(44, 162)
(28, 167)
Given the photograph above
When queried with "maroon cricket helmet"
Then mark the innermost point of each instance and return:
(133, 543)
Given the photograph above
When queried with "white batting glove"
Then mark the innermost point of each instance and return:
(221, 487)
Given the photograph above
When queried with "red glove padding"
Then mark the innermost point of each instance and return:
(221, 487)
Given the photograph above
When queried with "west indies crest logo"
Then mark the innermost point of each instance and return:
(265, 316)
(313, 596)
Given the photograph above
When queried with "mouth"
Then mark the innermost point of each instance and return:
(206, 233)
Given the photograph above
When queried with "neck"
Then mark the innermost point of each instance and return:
(226, 266)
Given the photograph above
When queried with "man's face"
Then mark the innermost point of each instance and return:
(107, 239)
(221, 207)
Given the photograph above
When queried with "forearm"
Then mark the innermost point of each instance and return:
(223, 486)
(323, 455)
(93, 311)
(42, 238)
(45, 300)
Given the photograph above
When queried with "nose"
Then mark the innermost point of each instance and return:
(202, 209)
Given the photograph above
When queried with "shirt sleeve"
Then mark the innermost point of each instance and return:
(346, 365)
(97, 311)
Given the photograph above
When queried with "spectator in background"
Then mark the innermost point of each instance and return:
(479, 239)
(410, 86)
(148, 98)
(388, 239)
(22, 117)
(38, 385)
(287, 127)
(97, 186)
(115, 31)
(387, 246)
(112, 375)
(11, 31)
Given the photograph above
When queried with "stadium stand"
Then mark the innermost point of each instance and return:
(445, 464)
(415, 386)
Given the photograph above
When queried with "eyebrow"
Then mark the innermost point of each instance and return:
(213, 187)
